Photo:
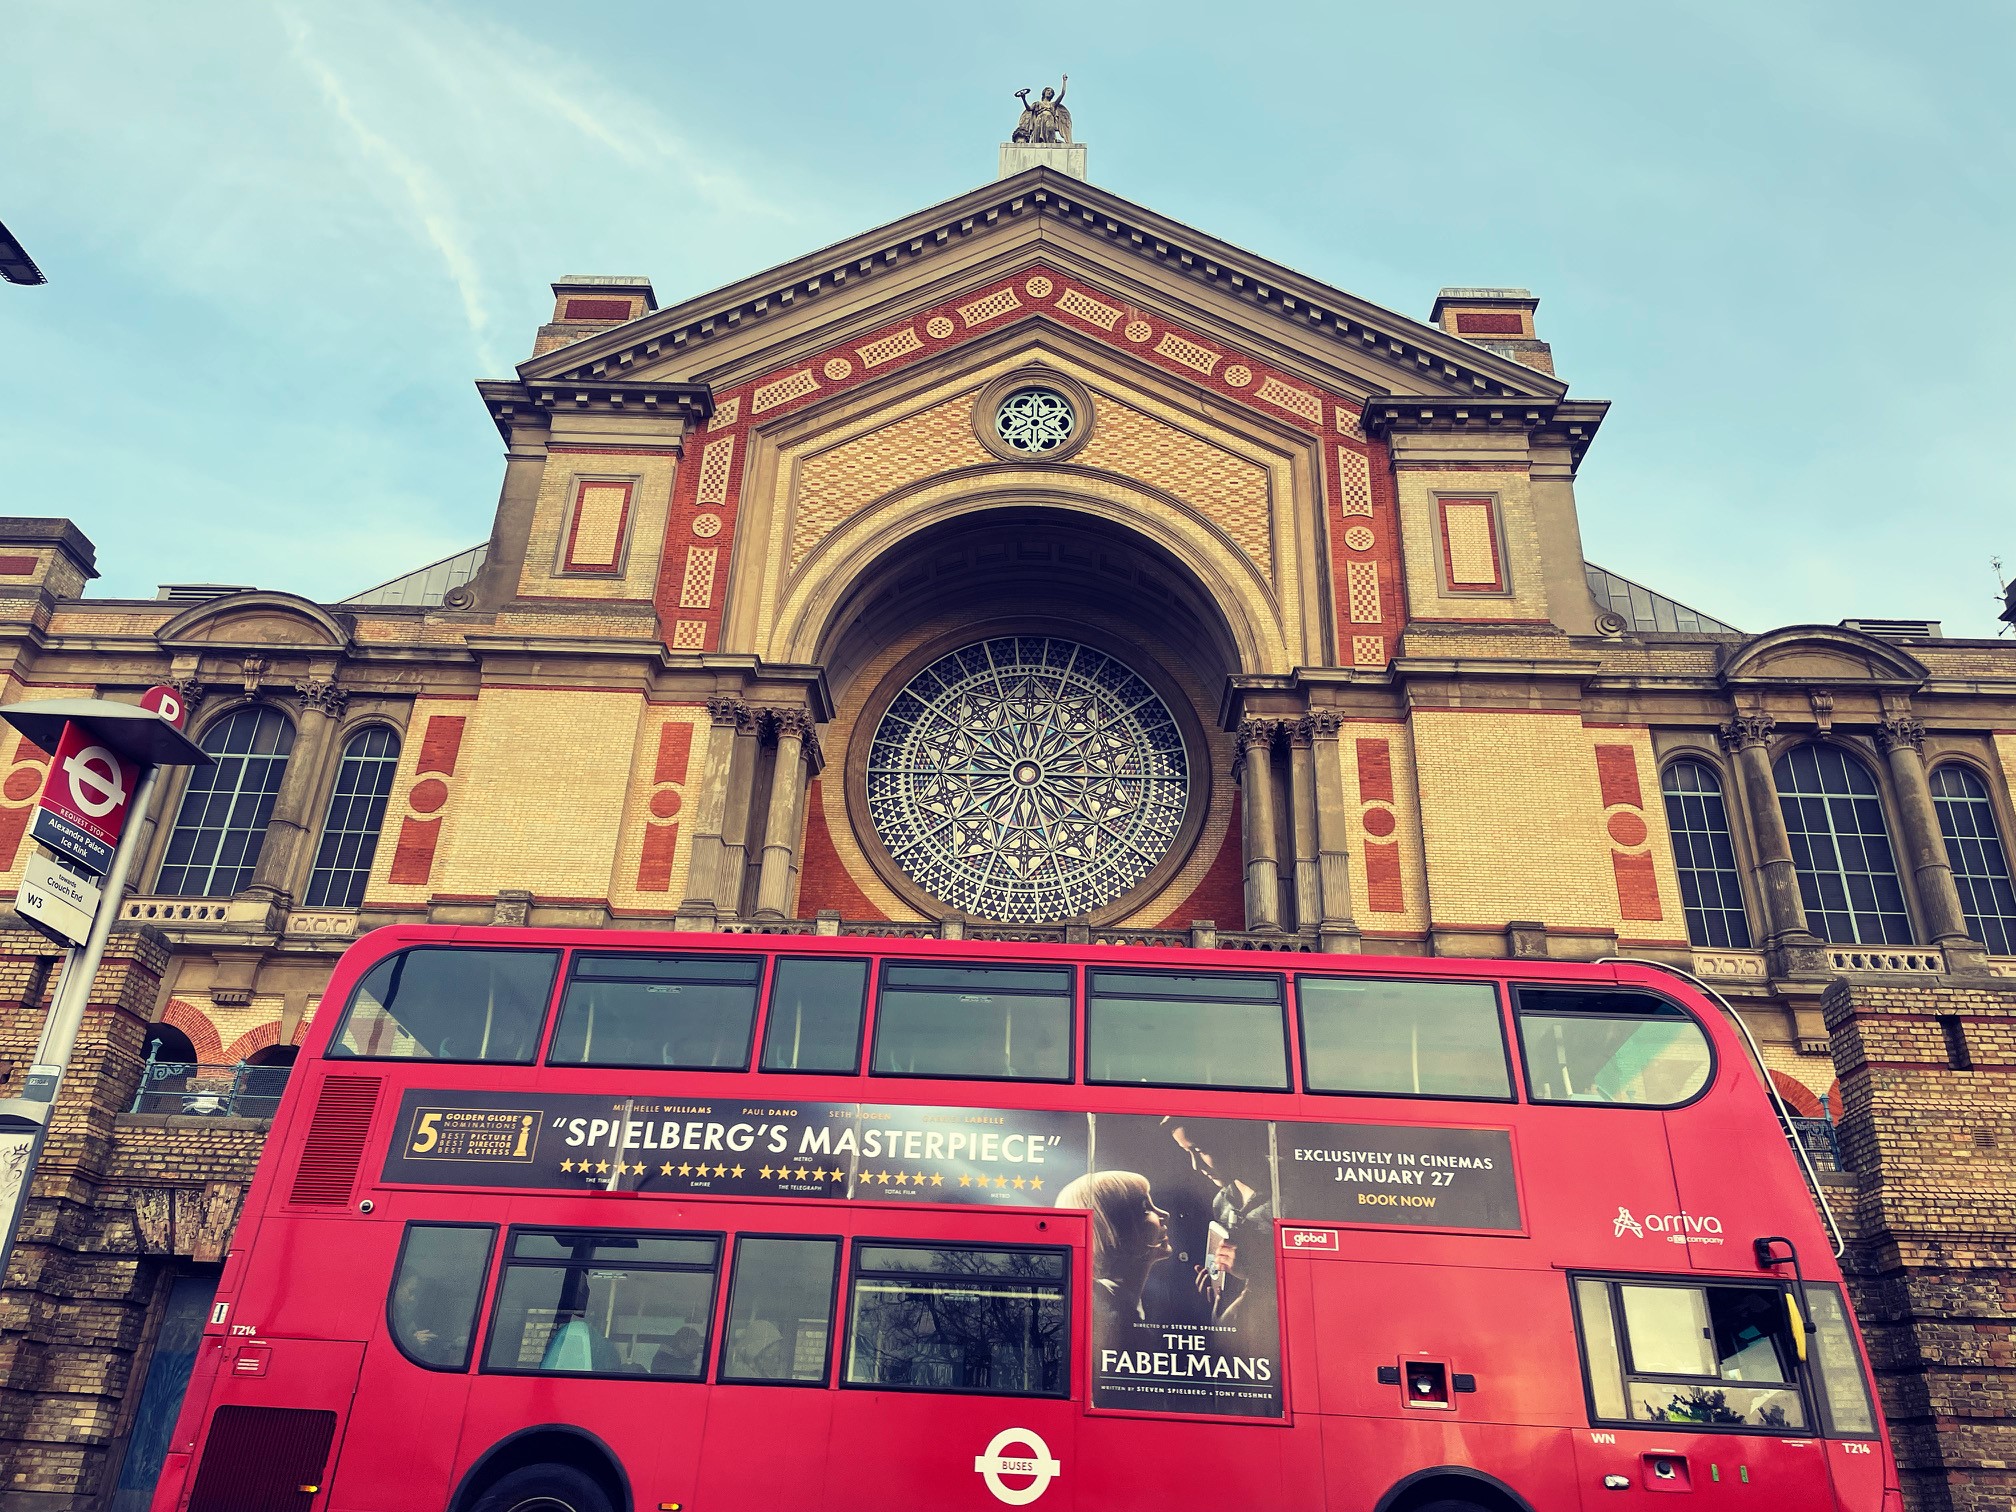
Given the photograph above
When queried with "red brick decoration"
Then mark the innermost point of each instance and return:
(202, 1033)
(661, 826)
(1384, 890)
(252, 1041)
(1798, 1096)
(1459, 517)
(17, 566)
(440, 747)
(595, 309)
(1631, 858)
(823, 879)
(27, 769)
(1220, 895)
(1361, 508)
(1490, 323)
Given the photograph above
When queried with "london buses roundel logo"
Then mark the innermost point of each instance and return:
(1030, 1457)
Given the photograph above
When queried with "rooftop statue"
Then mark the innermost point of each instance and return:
(1045, 120)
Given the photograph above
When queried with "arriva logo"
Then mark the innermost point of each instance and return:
(1033, 1459)
(1674, 1228)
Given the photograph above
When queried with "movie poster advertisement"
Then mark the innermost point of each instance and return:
(1185, 1316)
(736, 1148)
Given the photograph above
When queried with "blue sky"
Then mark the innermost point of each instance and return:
(284, 239)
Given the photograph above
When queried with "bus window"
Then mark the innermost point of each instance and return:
(435, 1288)
(1705, 1356)
(1174, 1030)
(592, 1302)
(1844, 1393)
(955, 1319)
(815, 1015)
(974, 1021)
(694, 1012)
(451, 1005)
(1608, 1046)
(1405, 1038)
(780, 1310)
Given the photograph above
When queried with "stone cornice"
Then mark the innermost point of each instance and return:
(1396, 341)
(510, 403)
(1571, 422)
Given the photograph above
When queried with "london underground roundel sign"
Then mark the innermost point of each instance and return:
(1021, 1455)
(84, 799)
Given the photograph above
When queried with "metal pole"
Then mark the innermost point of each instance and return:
(37, 1102)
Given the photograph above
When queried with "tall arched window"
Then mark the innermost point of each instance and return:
(1841, 847)
(356, 812)
(215, 843)
(1706, 857)
(1980, 864)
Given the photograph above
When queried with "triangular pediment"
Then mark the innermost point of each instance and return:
(1119, 253)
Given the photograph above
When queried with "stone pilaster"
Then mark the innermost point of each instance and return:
(1786, 932)
(1255, 775)
(1902, 741)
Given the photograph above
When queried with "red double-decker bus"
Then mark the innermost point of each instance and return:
(579, 1222)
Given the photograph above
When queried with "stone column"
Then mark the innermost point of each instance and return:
(1335, 922)
(705, 880)
(1902, 740)
(784, 816)
(1748, 736)
(1255, 775)
(1302, 826)
(283, 853)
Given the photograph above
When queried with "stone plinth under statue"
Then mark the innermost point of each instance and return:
(1065, 157)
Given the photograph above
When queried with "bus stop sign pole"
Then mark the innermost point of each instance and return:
(149, 740)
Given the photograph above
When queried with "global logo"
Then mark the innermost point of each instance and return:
(1674, 1228)
(1033, 1461)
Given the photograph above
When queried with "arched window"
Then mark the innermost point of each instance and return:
(215, 843)
(1841, 848)
(1705, 855)
(1980, 864)
(356, 811)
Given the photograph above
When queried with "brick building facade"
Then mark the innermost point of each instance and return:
(1273, 599)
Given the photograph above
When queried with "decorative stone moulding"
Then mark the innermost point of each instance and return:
(1018, 416)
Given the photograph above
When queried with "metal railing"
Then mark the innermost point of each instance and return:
(210, 1091)
(1821, 1142)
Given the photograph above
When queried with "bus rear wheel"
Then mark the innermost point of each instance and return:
(1449, 1506)
(546, 1488)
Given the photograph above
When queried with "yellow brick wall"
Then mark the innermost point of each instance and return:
(1421, 534)
(638, 816)
(381, 890)
(1671, 927)
(541, 786)
(650, 500)
(1512, 819)
(1406, 806)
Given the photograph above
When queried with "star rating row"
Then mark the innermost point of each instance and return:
(918, 1178)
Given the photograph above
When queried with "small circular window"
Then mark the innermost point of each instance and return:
(1035, 420)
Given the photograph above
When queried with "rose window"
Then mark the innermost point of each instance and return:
(1035, 420)
(1027, 778)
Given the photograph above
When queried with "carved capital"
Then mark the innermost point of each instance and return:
(323, 696)
(728, 713)
(1747, 730)
(190, 690)
(1323, 723)
(1904, 730)
(794, 722)
(1258, 733)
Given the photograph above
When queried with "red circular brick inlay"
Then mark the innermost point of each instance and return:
(664, 804)
(22, 784)
(1627, 829)
(427, 796)
(1379, 821)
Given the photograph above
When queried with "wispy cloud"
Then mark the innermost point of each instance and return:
(430, 203)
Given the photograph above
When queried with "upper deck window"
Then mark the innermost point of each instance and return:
(1006, 1022)
(448, 1004)
(816, 1005)
(1605, 1045)
(1172, 1030)
(1402, 1038)
(694, 1012)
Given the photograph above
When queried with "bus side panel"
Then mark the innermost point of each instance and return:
(319, 1276)
(1719, 1216)
(652, 1426)
(765, 1446)
(1588, 1174)
(919, 1449)
(1364, 1457)
(1509, 1330)
(385, 1463)
(1718, 1472)
(1148, 1463)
